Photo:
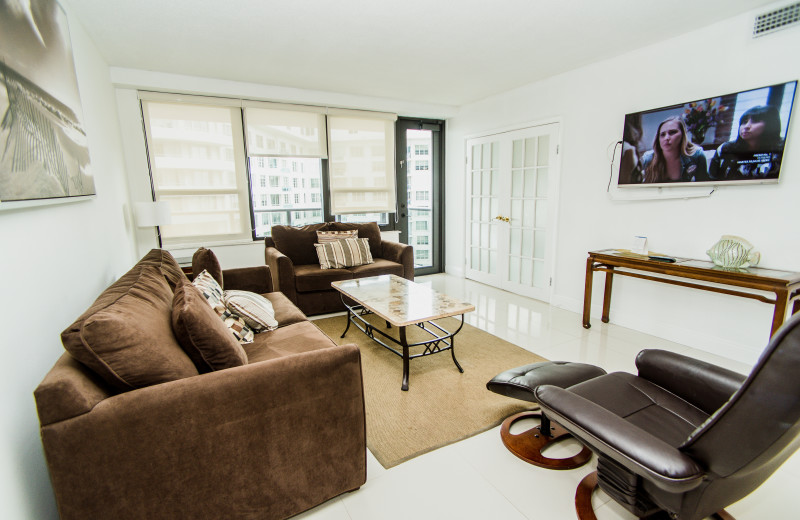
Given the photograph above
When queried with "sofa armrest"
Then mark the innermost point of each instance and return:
(254, 279)
(702, 384)
(400, 253)
(266, 440)
(69, 389)
(281, 268)
(635, 449)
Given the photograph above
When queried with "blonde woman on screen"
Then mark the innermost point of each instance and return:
(674, 158)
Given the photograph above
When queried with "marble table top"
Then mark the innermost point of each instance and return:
(399, 301)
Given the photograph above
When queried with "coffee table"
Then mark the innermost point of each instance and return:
(402, 303)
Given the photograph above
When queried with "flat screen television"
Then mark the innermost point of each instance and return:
(732, 139)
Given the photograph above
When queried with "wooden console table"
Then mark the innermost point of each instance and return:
(784, 284)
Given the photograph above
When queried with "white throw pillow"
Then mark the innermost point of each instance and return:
(214, 295)
(256, 310)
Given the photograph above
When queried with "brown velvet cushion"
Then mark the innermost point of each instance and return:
(288, 341)
(298, 242)
(202, 333)
(205, 260)
(165, 262)
(314, 278)
(369, 230)
(376, 268)
(126, 336)
(286, 312)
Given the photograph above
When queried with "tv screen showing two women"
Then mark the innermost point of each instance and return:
(738, 138)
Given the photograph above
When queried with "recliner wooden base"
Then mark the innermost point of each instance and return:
(528, 445)
(583, 502)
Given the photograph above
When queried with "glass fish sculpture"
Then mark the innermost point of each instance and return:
(734, 252)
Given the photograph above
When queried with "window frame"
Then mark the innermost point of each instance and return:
(242, 190)
(244, 186)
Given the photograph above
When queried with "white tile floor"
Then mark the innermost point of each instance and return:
(478, 478)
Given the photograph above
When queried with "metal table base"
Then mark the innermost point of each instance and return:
(441, 340)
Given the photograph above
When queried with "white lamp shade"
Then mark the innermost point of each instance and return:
(154, 213)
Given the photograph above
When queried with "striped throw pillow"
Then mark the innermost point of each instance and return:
(323, 237)
(214, 295)
(349, 252)
(256, 310)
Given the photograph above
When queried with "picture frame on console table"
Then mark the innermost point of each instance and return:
(44, 153)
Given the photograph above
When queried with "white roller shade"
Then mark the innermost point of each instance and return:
(285, 131)
(361, 167)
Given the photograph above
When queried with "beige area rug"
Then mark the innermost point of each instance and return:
(442, 405)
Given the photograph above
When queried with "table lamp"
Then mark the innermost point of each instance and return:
(153, 214)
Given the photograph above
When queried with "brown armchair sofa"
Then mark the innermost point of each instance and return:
(295, 269)
(267, 439)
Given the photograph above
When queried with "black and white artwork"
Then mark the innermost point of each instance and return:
(43, 147)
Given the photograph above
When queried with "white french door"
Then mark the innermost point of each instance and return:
(511, 198)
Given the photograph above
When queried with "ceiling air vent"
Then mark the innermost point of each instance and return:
(776, 20)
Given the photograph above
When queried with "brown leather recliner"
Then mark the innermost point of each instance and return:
(684, 437)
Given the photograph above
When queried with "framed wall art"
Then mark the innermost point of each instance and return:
(44, 154)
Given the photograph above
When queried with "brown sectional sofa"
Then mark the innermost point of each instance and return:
(295, 269)
(267, 439)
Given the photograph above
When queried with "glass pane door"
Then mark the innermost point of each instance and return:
(419, 147)
(483, 210)
(528, 240)
(510, 210)
(420, 190)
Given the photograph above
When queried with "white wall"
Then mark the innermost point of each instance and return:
(55, 261)
(592, 102)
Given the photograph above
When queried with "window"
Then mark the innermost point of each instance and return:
(421, 225)
(421, 165)
(422, 195)
(205, 204)
(420, 149)
(361, 182)
(359, 218)
(295, 142)
(422, 254)
(422, 241)
(202, 149)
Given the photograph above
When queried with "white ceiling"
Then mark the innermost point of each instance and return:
(447, 52)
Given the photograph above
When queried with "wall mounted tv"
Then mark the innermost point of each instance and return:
(732, 139)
